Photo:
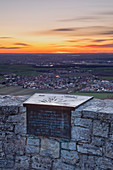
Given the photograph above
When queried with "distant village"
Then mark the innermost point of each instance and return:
(60, 79)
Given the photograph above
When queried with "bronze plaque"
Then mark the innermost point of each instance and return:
(49, 121)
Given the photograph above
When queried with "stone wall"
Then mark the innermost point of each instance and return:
(90, 147)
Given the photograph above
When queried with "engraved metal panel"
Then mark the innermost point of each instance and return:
(49, 121)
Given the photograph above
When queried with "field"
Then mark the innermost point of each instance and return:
(18, 91)
(97, 95)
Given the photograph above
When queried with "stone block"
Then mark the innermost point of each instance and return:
(2, 155)
(100, 128)
(70, 157)
(2, 135)
(81, 134)
(68, 145)
(76, 113)
(41, 163)
(83, 122)
(20, 129)
(6, 164)
(22, 109)
(22, 162)
(15, 145)
(50, 148)
(16, 119)
(88, 162)
(1, 146)
(89, 149)
(98, 141)
(104, 163)
(57, 165)
(32, 149)
(8, 127)
(109, 149)
(33, 141)
(106, 117)
(9, 110)
(89, 114)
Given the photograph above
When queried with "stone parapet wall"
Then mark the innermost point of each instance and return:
(90, 147)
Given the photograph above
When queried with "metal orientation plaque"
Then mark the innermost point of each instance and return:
(49, 121)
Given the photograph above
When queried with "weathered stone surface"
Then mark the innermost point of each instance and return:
(100, 128)
(32, 149)
(83, 122)
(88, 162)
(9, 127)
(106, 117)
(98, 141)
(6, 164)
(1, 125)
(15, 146)
(81, 134)
(41, 163)
(109, 149)
(70, 157)
(69, 145)
(2, 155)
(76, 113)
(89, 114)
(104, 163)
(89, 149)
(2, 135)
(33, 141)
(20, 129)
(16, 119)
(50, 148)
(58, 165)
(1, 146)
(22, 162)
(22, 109)
(9, 110)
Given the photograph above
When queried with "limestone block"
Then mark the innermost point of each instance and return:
(106, 117)
(41, 163)
(1, 146)
(32, 149)
(89, 149)
(50, 148)
(89, 114)
(15, 145)
(57, 165)
(20, 129)
(109, 149)
(8, 127)
(69, 145)
(6, 164)
(100, 128)
(2, 135)
(76, 113)
(22, 109)
(33, 141)
(22, 162)
(98, 141)
(70, 157)
(83, 122)
(16, 119)
(105, 163)
(9, 110)
(81, 134)
(88, 162)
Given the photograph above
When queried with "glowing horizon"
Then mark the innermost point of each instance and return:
(62, 26)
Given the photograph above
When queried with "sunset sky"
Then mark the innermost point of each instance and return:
(43, 26)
